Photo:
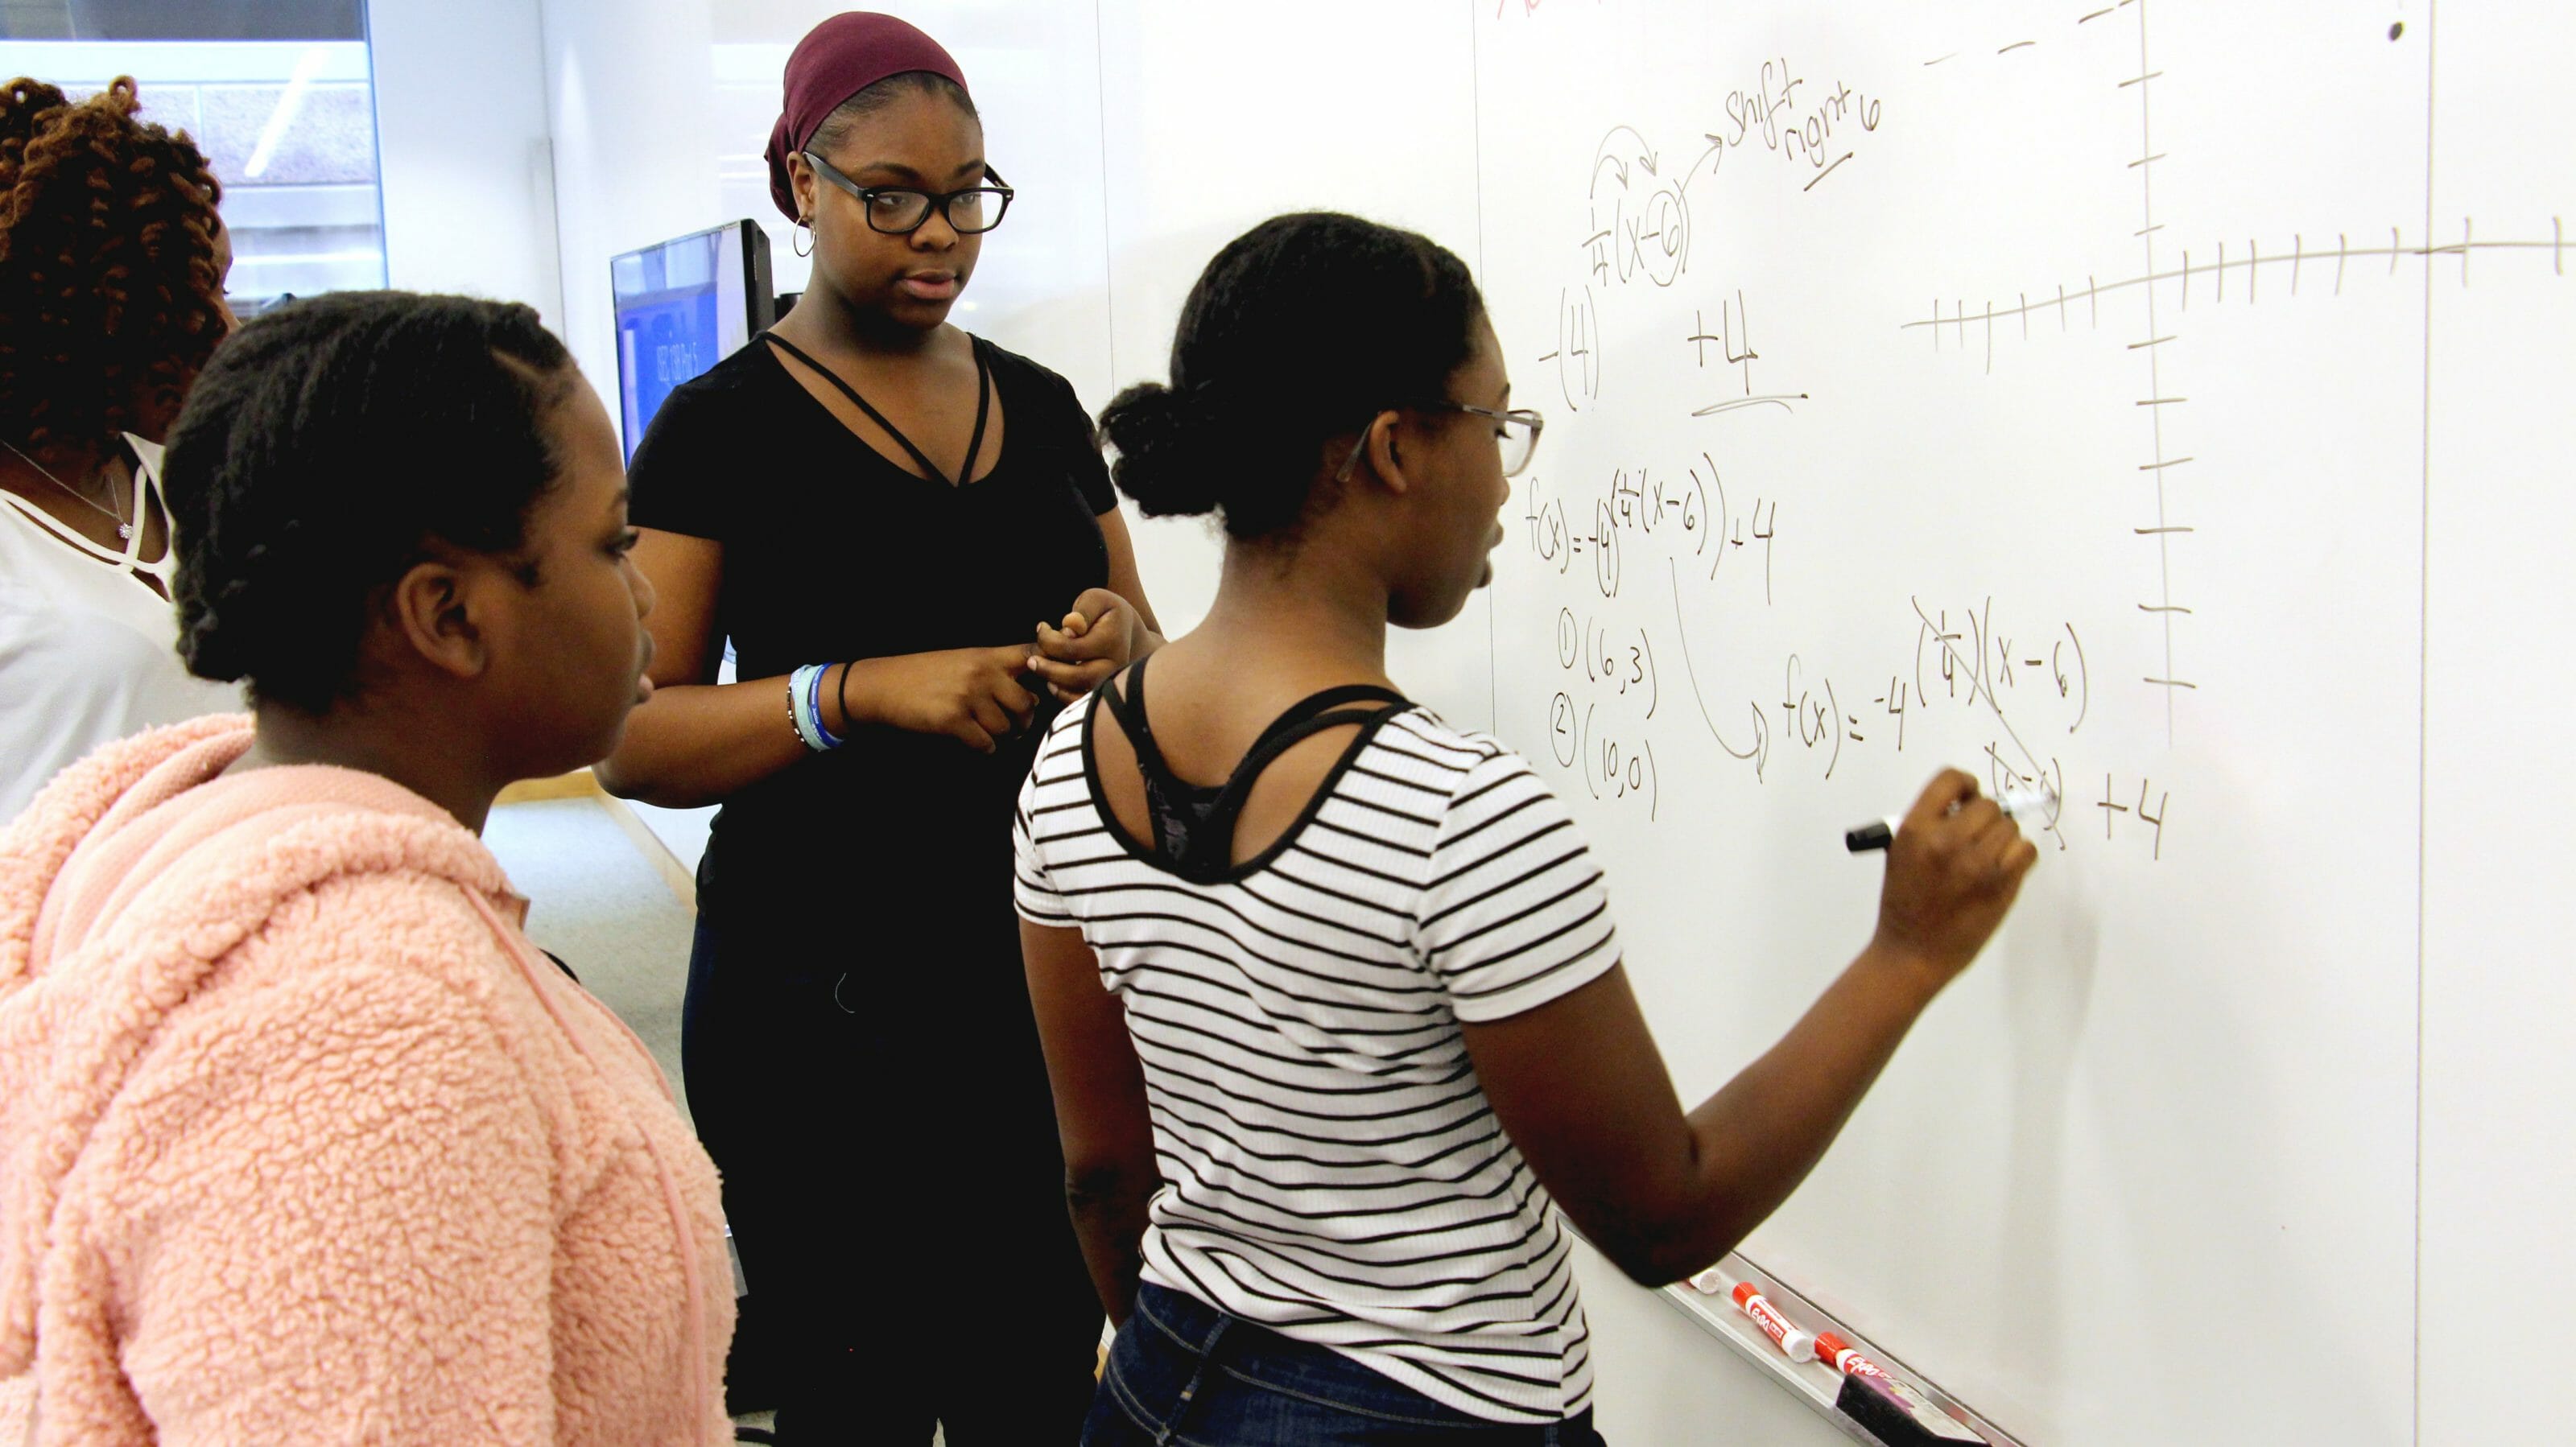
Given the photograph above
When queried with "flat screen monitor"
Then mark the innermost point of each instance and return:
(682, 306)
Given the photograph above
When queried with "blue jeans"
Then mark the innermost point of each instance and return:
(1186, 1374)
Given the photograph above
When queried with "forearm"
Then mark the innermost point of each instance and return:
(1109, 1219)
(1755, 1140)
(698, 744)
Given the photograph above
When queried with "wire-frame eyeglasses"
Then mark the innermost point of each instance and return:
(1516, 431)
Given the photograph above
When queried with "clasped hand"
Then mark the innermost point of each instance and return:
(980, 696)
(1098, 637)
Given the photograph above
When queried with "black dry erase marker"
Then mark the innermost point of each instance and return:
(1877, 834)
(1880, 833)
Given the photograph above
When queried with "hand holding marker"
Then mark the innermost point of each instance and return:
(1955, 864)
(1881, 833)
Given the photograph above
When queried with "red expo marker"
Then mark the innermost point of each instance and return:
(1800, 1346)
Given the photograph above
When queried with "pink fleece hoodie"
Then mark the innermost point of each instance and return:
(301, 1141)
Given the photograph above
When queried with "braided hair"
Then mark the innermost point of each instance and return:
(110, 297)
(330, 446)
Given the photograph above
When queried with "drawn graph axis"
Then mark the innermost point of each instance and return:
(2296, 258)
(2155, 401)
(2290, 269)
(2252, 264)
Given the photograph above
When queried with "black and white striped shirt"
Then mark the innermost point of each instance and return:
(1331, 1167)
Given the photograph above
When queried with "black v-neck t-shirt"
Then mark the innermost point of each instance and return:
(831, 553)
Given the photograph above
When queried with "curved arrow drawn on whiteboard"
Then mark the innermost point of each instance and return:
(1716, 150)
(1760, 753)
(1602, 153)
(1599, 161)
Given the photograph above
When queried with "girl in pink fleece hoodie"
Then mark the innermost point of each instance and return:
(300, 1139)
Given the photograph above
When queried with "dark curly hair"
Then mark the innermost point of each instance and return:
(1300, 330)
(332, 444)
(109, 293)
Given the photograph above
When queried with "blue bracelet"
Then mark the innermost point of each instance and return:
(814, 706)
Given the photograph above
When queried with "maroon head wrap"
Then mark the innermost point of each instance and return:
(835, 61)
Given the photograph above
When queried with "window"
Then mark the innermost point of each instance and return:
(279, 95)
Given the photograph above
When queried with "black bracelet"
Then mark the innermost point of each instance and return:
(841, 696)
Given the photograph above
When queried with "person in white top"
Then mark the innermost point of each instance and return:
(112, 266)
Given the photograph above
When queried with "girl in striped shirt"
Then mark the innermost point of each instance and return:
(1329, 990)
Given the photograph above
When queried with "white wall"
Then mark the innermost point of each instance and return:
(626, 89)
(463, 135)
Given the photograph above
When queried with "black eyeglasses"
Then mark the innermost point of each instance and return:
(1516, 431)
(901, 210)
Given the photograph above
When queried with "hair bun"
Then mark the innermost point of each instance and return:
(1169, 445)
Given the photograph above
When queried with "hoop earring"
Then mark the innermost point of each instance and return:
(805, 228)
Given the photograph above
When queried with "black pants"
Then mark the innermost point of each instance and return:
(894, 1184)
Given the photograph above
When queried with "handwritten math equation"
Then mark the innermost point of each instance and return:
(1625, 678)
(1653, 560)
(1652, 514)
(1639, 227)
(1641, 217)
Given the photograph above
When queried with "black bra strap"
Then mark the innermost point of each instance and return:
(983, 407)
(1275, 740)
(1205, 847)
(1128, 705)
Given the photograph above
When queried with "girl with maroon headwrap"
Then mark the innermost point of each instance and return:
(873, 506)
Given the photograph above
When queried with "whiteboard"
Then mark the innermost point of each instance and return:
(2047, 391)
(2043, 387)
(2499, 1135)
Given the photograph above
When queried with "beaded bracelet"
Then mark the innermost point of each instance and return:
(796, 709)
